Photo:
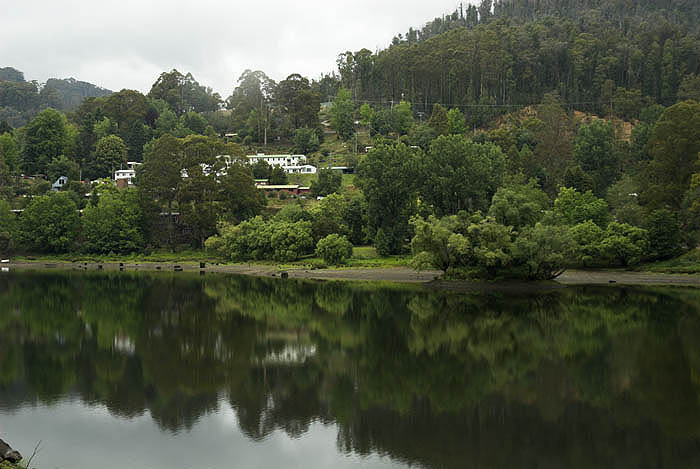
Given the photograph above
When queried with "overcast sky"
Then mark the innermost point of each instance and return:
(128, 43)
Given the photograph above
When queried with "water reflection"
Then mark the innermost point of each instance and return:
(560, 378)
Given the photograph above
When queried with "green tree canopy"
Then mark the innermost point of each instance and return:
(114, 224)
(388, 178)
(438, 120)
(572, 207)
(9, 151)
(50, 223)
(328, 182)
(62, 166)
(674, 148)
(110, 155)
(334, 249)
(45, 138)
(594, 151)
(459, 174)
(342, 119)
(518, 203)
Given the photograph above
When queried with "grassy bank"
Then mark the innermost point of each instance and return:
(363, 257)
(688, 263)
(188, 256)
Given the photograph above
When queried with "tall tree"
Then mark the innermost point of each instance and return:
(251, 102)
(342, 119)
(553, 150)
(183, 93)
(110, 155)
(438, 120)
(388, 178)
(594, 150)
(45, 138)
(295, 97)
(159, 178)
(674, 148)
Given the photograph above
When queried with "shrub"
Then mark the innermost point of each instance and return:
(623, 244)
(114, 224)
(50, 223)
(334, 249)
(257, 239)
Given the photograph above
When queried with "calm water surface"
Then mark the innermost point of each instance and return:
(122, 370)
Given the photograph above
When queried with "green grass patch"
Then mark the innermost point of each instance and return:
(348, 181)
(688, 263)
(189, 255)
(303, 180)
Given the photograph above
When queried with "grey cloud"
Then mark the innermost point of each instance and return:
(127, 43)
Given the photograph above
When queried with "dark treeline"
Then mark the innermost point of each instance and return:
(515, 56)
(621, 13)
(427, 377)
(21, 100)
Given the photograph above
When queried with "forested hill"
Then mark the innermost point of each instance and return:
(621, 13)
(20, 100)
(500, 62)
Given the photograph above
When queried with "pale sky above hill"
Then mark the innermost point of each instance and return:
(127, 43)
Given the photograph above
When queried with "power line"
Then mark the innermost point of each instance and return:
(487, 106)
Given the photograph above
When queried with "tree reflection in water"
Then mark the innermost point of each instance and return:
(570, 377)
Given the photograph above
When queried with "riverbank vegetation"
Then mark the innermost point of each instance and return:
(512, 146)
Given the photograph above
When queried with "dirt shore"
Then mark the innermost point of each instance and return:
(394, 274)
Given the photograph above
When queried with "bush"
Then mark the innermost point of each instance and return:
(572, 207)
(114, 224)
(334, 249)
(50, 223)
(257, 239)
(623, 244)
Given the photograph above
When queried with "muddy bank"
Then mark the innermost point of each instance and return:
(393, 274)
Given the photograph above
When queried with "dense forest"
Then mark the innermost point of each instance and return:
(497, 63)
(565, 126)
(21, 100)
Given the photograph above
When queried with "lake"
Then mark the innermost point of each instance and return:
(135, 370)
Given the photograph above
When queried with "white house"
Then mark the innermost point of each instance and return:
(278, 160)
(303, 169)
(293, 164)
(60, 182)
(125, 177)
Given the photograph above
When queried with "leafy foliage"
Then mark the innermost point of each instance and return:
(50, 223)
(572, 207)
(459, 174)
(114, 224)
(518, 203)
(328, 182)
(334, 249)
(257, 239)
(388, 177)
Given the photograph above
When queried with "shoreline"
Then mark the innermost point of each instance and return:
(372, 274)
